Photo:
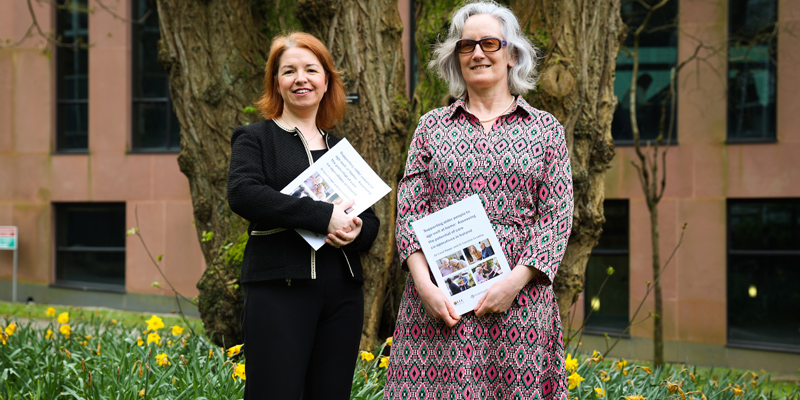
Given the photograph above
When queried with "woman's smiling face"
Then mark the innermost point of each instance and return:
(483, 70)
(301, 79)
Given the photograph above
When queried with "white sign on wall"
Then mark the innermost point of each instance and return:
(8, 237)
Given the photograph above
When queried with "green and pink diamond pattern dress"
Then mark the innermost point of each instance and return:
(521, 171)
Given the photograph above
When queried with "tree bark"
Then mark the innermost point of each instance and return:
(579, 41)
(658, 325)
(215, 52)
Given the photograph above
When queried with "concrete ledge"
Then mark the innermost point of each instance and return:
(45, 294)
(700, 354)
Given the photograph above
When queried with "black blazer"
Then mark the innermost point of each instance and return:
(264, 159)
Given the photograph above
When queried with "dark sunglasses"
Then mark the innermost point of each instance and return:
(488, 45)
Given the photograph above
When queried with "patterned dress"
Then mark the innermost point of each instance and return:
(522, 173)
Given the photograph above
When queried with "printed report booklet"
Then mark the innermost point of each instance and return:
(341, 174)
(462, 251)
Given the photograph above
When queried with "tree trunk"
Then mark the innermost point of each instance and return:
(658, 324)
(215, 52)
(579, 41)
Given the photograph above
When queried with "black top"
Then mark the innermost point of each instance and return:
(264, 159)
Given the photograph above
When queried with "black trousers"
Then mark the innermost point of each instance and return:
(301, 340)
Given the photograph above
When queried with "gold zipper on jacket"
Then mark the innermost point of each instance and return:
(310, 162)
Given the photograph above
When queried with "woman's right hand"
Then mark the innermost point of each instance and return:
(340, 221)
(435, 302)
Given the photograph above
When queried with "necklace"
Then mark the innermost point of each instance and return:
(496, 116)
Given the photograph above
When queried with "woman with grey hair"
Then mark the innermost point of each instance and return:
(492, 143)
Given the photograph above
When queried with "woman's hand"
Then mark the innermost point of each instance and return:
(340, 221)
(341, 238)
(499, 297)
(435, 302)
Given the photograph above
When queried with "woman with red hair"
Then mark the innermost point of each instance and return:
(303, 309)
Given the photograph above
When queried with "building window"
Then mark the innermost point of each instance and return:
(155, 126)
(657, 55)
(763, 271)
(72, 76)
(90, 245)
(609, 307)
(752, 72)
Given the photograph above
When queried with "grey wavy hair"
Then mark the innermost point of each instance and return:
(521, 77)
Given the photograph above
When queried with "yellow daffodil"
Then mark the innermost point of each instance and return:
(389, 340)
(571, 364)
(3, 338)
(88, 337)
(139, 341)
(114, 322)
(154, 323)
(235, 350)
(162, 360)
(153, 337)
(238, 372)
(621, 364)
(210, 353)
(384, 362)
(367, 356)
(738, 392)
(10, 329)
(646, 369)
(599, 392)
(177, 330)
(51, 312)
(63, 318)
(169, 342)
(141, 393)
(65, 330)
(574, 380)
(48, 334)
(84, 343)
(634, 398)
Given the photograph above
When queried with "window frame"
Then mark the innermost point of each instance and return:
(60, 210)
(60, 101)
(751, 344)
(597, 330)
(136, 75)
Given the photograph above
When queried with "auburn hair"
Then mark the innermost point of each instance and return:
(331, 108)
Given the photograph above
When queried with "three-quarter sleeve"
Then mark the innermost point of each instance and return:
(546, 238)
(251, 197)
(413, 192)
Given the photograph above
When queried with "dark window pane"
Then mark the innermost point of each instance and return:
(657, 54)
(72, 76)
(752, 71)
(155, 126)
(764, 300)
(609, 307)
(73, 127)
(90, 242)
(766, 225)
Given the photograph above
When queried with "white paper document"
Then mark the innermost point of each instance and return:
(462, 251)
(341, 174)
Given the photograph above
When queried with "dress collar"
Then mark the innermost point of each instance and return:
(460, 105)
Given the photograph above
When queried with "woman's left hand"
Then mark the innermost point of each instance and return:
(499, 297)
(341, 238)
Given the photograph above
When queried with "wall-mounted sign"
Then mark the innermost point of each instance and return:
(353, 98)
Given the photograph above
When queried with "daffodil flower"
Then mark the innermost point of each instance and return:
(177, 330)
(235, 350)
(139, 341)
(63, 318)
(162, 360)
(574, 380)
(599, 392)
(10, 329)
(154, 323)
(48, 334)
(238, 372)
(571, 364)
(389, 340)
(384, 362)
(367, 356)
(51, 312)
(65, 330)
(634, 398)
(153, 337)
